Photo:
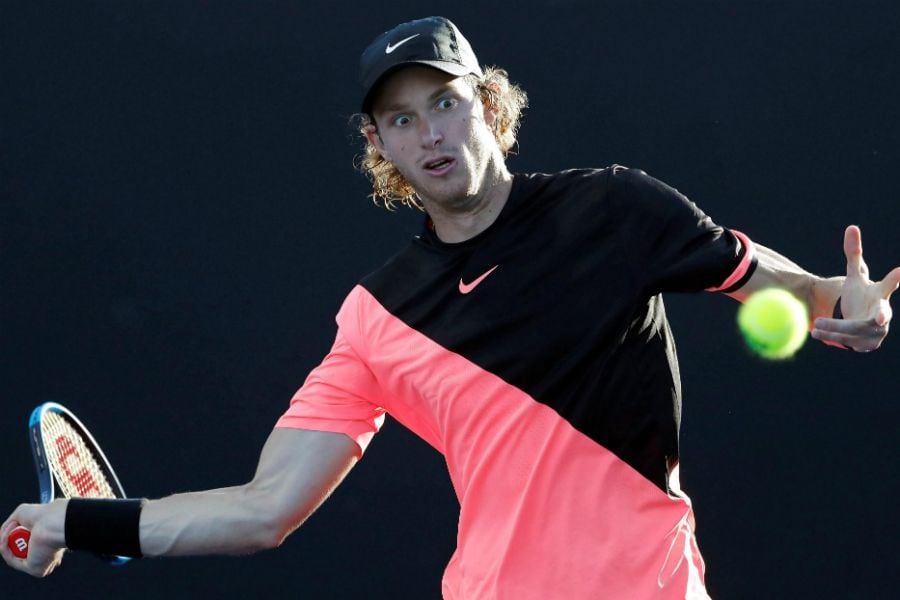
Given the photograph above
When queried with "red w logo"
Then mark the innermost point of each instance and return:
(72, 463)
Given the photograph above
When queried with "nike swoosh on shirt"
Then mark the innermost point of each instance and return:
(391, 47)
(465, 288)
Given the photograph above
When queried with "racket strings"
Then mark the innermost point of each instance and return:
(74, 464)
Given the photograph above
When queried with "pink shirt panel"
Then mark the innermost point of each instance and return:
(544, 510)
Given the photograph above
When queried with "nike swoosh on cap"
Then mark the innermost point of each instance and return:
(391, 47)
(465, 288)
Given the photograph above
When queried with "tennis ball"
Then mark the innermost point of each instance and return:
(774, 323)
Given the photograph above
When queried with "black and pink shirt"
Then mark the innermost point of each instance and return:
(537, 358)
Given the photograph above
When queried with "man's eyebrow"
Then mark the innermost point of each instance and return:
(400, 106)
(441, 91)
(393, 107)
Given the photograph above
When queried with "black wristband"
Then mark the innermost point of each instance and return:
(104, 527)
(837, 314)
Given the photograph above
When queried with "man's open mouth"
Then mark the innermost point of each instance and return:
(438, 164)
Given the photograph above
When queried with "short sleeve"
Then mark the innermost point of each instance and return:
(340, 395)
(674, 245)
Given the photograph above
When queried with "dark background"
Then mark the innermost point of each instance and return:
(181, 220)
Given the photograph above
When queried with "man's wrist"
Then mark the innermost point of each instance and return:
(52, 527)
(826, 295)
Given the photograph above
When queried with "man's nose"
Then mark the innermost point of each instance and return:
(430, 133)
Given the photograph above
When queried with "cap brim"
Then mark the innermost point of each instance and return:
(450, 68)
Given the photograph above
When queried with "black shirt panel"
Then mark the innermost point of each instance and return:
(571, 314)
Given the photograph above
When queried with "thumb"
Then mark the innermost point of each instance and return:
(884, 315)
(24, 515)
(890, 283)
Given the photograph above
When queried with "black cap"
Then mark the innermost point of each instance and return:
(433, 41)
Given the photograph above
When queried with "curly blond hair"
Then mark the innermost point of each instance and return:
(495, 90)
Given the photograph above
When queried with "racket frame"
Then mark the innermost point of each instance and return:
(46, 477)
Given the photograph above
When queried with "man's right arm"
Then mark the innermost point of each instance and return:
(297, 471)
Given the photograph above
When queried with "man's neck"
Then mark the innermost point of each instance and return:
(453, 226)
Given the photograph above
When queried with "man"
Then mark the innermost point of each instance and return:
(522, 334)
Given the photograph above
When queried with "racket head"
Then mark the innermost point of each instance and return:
(68, 460)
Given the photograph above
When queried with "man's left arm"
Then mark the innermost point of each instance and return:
(864, 313)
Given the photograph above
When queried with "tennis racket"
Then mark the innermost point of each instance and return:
(69, 464)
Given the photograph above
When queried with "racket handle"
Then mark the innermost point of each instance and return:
(18, 541)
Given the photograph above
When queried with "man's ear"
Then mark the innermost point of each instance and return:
(375, 139)
(491, 105)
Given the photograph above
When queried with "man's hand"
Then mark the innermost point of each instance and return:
(47, 543)
(865, 304)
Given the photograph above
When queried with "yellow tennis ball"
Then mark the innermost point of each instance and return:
(774, 323)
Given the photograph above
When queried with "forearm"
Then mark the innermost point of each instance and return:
(230, 520)
(298, 470)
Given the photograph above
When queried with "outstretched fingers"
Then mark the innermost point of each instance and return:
(864, 303)
(890, 283)
(856, 266)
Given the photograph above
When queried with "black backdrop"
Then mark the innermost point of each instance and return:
(180, 221)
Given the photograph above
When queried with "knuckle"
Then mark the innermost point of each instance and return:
(22, 511)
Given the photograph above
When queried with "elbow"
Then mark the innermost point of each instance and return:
(260, 536)
(273, 533)
(268, 537)
(272, 522)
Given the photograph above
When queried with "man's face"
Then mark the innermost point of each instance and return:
(436, 131)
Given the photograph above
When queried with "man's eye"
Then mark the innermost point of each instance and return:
(401, 120)
(446, 103)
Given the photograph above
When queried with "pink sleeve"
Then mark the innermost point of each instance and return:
(340, 395)
(748, 262)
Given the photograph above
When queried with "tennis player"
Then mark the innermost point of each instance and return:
(522, 334)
